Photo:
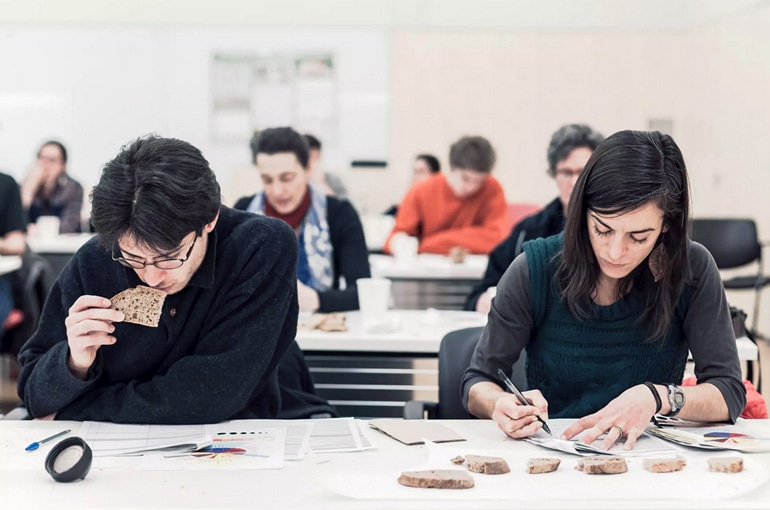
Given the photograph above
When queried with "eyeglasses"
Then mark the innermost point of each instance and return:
(164, 264)
(566, 173)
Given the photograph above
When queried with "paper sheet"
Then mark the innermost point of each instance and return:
(337, 435)
(645, 445)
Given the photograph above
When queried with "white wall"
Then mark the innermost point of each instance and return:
(96, 89)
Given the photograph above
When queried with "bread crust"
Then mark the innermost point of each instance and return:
(726, 464)
(437, 479)
(487, 465)
(664, 465)
(141, 305)
(602, 465)
(542, 465)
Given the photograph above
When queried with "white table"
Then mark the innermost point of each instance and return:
(59, 249)
(430, 280)
(320, 482)
(9, 264)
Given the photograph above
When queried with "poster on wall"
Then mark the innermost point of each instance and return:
(252, 92)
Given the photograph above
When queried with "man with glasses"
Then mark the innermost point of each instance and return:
(568, 152)
(229, 315)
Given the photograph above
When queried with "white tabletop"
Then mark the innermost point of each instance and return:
(415, 331)
(331, 481)
(9, 264)
(64, 243)
(428, 267)
(402, 331)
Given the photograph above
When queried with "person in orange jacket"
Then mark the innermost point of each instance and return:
(465, 208)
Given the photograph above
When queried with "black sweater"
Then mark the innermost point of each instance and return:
(349, 253)
(214, 354)
(548, 222)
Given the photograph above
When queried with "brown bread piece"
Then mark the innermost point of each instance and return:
(457, 460)
(664, 465)
(487, 465)
(726, 464)
(141, 305)
(602, 465)
(542, 465)
(437, 479)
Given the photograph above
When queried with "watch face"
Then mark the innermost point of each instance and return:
(678, 397)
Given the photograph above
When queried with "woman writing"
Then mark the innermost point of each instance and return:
(608, 310)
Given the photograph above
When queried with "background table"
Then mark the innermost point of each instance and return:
(9, 264)
(430, 280)
(58, 250)
(312, 483)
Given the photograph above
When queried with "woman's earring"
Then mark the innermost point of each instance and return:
(657, 262)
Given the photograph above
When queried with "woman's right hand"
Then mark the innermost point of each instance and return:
(518, 420)
(89, 326)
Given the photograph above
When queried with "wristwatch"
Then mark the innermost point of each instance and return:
(676, 399)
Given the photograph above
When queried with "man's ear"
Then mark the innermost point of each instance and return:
(210, 225)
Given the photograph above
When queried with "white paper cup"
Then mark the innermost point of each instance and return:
(405, 248)
(373, 298)
(47, 226)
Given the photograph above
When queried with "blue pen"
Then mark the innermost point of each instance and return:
(34, 446)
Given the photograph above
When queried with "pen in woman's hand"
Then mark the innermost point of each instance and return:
(522, 399)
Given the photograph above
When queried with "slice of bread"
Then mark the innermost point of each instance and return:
(602, 465)
(141, 305)
(542, 465)
(664, 465)
(726, 464)
(487, 465)
(437, 479)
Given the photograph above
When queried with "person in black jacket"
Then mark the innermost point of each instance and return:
(568, 152)
(332, 250)
(229, 315)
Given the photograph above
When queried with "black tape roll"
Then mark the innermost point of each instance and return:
(69, 460)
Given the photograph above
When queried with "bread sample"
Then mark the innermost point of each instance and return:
(726, 464)
(437, 479)
(542, 465)
(487, 465)
(457, 460)
(141, 305)
(664, 465)
(326, 322)
(458, 254)
(602, 465)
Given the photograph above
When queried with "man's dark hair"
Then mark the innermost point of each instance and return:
(472, 153)
(431, 161)
(568, 138)
(156, 191)
(313, 143)
(56, 144)
(283, 139)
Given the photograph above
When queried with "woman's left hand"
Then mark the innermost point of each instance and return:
(625, 417)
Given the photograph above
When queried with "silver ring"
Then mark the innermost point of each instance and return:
(620, 430)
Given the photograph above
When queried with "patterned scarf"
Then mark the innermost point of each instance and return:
(314, 233)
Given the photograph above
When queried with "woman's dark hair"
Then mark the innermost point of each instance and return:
(627, 171)
(157, 191)
(431, 161)
(56, 144)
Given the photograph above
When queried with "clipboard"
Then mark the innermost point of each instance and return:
(411, 432)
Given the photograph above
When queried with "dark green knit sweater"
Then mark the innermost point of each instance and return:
(613, 351)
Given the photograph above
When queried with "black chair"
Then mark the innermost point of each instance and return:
(34, 280)
(454, 357)
(734, 243)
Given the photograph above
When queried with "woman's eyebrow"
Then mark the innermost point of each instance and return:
(641, 231)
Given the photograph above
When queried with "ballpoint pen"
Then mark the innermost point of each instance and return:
(521, 398)
(34, 446)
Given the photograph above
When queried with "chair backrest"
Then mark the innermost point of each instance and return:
(519, 211)
(454, 357)
(732, 242)
(35, 279)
